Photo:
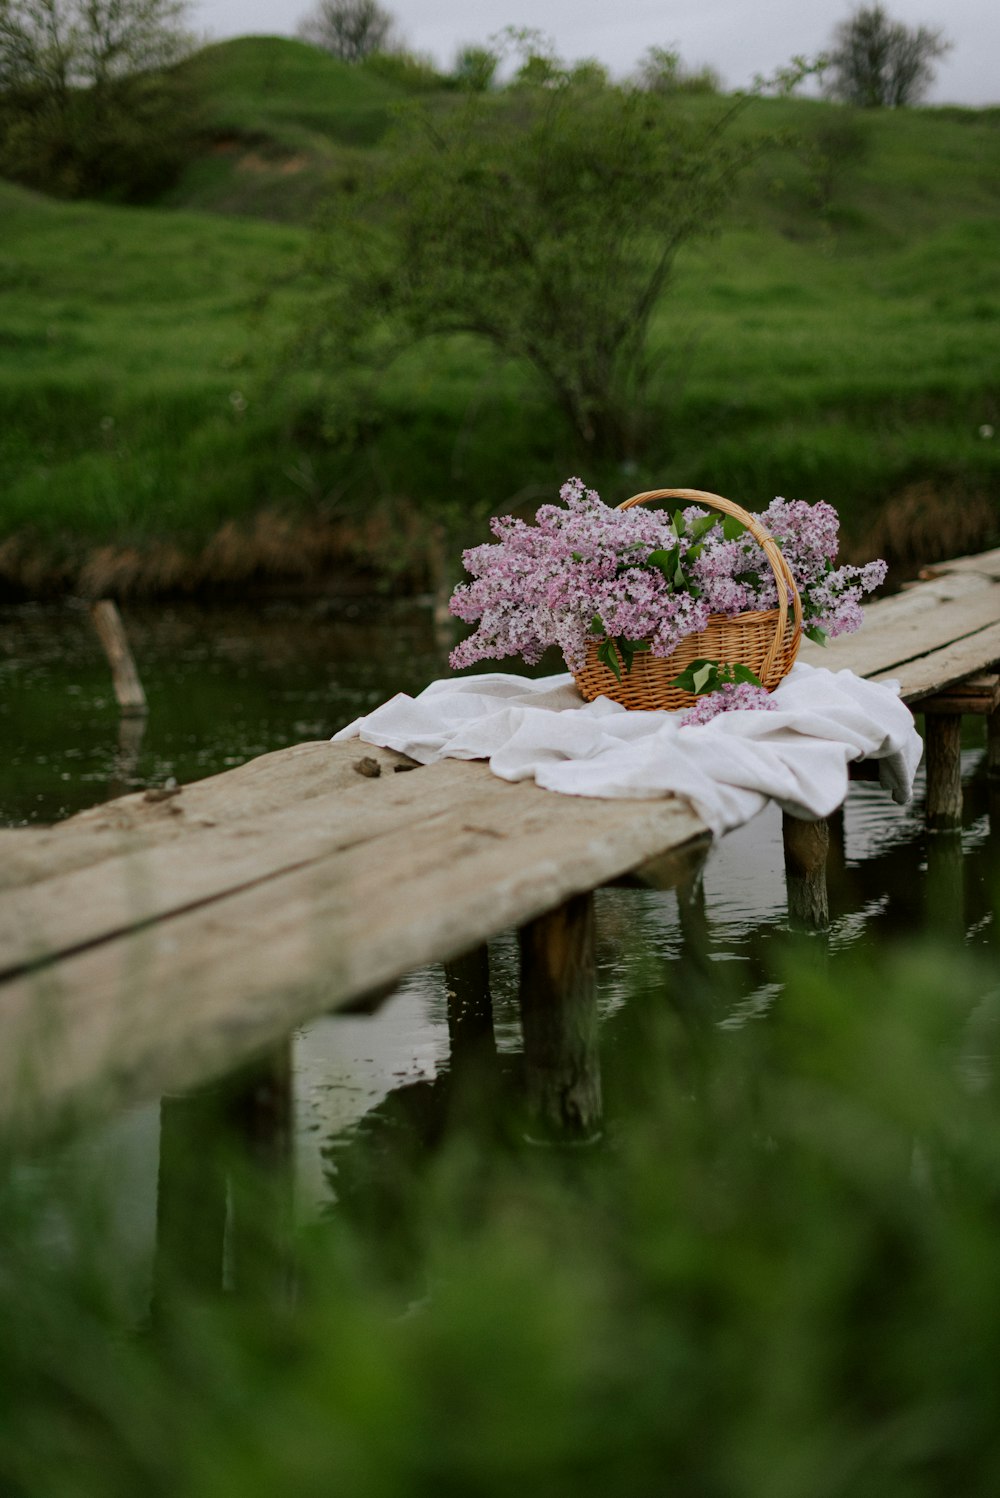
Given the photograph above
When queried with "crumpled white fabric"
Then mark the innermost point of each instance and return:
(797, 754)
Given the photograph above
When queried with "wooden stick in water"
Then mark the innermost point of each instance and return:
(111, 633)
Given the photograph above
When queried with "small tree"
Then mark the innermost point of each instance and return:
(90, 99)
(877, 62)
(475, 68)
(546, 221)
(661, 71)
(349, 29)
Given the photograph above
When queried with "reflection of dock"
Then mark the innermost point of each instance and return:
(150, 943)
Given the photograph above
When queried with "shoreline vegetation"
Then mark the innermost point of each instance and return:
(164, 430)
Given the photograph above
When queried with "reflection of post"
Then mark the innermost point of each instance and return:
(943, 740)
(223, 1193)
(191, 1195)
(470, 1006)
(806, 845)
(993, 744)
(946, 886)
(131, 729)
(692, 911)
(559, 1015)
(260, 1118)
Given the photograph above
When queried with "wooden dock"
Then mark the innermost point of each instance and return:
(151, 942)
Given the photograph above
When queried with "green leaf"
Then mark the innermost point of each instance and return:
(702, 526)
(732, 528)
(577, 556)
(701, 676)
(664, 561)
(740, 673)
(606, 653)
(678, 524)
(629, 649)
(817, 635)
(597, 625)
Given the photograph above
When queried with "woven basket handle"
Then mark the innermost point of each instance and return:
(782, 572)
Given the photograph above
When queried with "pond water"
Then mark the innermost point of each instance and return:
(226, 683)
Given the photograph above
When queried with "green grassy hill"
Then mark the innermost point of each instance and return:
(283, 122)
(837, 340)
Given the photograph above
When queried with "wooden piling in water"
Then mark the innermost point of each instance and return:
(559, 1017)
(943, 747)
(125, 677)
(993, 745)
(806, 845)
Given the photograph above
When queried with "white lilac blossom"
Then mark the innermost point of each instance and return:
(586, 572)
(728, 699)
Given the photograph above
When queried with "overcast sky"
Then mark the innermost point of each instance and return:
(737, 39)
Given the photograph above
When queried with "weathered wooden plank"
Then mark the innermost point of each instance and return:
(985, 563)
(882, 615)
(950, 664)
(153, 881)
(169, 1004)
(285, 777)
(979, 694)
(880, 646)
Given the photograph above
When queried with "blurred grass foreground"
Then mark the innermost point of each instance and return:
(774, 1278)
(172, 402)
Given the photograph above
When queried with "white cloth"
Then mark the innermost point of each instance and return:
(796, 754)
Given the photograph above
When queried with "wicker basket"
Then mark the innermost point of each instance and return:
(765, 640)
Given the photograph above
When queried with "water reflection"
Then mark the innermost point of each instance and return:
(223, 685)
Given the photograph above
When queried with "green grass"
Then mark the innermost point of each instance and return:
(775, 1277)
(291, 92)
(842, 352)
(287, 124)
(129, 339)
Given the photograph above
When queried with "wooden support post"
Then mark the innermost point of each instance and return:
(111, 632)
(943, 747)
(993, 745)
(559, 1015)
(806, 845)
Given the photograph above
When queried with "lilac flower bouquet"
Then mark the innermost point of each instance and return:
(639, 580)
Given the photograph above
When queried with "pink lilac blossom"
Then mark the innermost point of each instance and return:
(728, 699)
(582, 572)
